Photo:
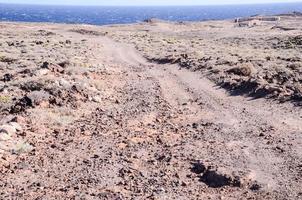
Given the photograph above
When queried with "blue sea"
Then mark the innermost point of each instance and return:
(121, 15)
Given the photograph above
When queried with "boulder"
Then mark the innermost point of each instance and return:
(37, 97)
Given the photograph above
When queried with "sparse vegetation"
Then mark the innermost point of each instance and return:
(5, 99)
(22, 147)
(6, 59)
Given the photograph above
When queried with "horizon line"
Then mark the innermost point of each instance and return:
(89, 5)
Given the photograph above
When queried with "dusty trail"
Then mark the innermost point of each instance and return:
(155, 135)
(242, 122)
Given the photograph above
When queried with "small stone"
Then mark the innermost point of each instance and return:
(64, 64)
(65, 84)
(4, 162)
(244, 70)
(195, 125)
(198, 167)
(6, 119)
(2, 86)
(18, 119)
(7, 77)
(68, 41)
(158, 120)
(280, 149)
(42, 72)
(184, 184)
(97, 99)
(4, 137)
(52, 67)
(8, 129)
(45, 65)
(255, 186)
(16, 126)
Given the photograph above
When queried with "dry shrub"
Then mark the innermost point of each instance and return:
(244, 70)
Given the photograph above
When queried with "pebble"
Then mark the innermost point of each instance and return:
(4, 137)
(18, 119)
(65, 84)
(6, 119)
(17, 126)
(42, 72)
(2, 86)
(8, 129)
(97, 99)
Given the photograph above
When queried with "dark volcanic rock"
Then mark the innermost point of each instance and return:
(21, 105)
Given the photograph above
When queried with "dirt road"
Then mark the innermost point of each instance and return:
(164, 133)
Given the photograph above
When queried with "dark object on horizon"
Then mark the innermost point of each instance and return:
(152, 20)
(259, 18)
(292, 14)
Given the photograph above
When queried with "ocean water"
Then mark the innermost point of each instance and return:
(121, 15)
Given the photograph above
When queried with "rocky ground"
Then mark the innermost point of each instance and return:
(156, 110)
(261, 60)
